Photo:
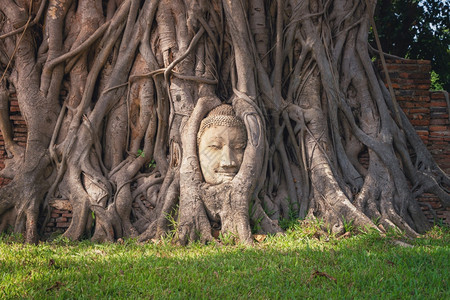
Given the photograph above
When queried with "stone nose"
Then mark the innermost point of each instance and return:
(227, 159)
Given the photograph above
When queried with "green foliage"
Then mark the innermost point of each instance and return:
(307, 229)
(291, 220)
(296, 265)
(173, 223)
(62, 241)
(8, 238)
(227, 239)
(152, 164)
(436, 84)
(255, 223)
(348, 224)
(140, 153)
(417, 30)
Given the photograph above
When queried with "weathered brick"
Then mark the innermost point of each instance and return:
(437, 95)
(15, 117)
(423, 86)
(404, 93)
(445, 215)
(405, 68)
(420, 122)
(419, 110)
(422, 132)
(422, 81)
(438, 128)
(425, 68)
(411, 104)
(439, 122)
(392, 75)
(436, 103)
(20, 129)
(422, 98)
(393, 67)
(438, 114)
(403, 98)
(420, 75)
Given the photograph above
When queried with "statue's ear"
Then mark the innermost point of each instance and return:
(254, 156)
(254, 128)
(251, 118)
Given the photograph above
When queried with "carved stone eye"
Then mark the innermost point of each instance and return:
(215, 146)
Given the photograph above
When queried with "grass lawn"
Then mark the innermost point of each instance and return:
(298, 265)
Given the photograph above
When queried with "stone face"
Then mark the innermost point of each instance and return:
(221, 150)
(221, 140)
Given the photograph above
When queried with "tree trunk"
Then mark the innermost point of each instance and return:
(141, 76)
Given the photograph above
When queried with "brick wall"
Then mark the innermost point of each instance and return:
(439, 145)
(60, 217)
(19, 129)
(439, 130)
(428, 112)
(61, 214)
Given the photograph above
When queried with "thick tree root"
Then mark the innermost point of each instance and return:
(113, 97)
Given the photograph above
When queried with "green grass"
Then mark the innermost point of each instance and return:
(297, 265)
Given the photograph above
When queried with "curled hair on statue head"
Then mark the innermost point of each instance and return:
(222, 115)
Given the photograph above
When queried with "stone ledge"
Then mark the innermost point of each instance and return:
(61, 204)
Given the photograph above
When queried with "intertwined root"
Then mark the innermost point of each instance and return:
(139, 76)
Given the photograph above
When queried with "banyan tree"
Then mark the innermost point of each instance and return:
(222, 115)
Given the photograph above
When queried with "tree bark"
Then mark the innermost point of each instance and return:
(113, 93)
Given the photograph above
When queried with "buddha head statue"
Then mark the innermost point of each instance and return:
(221, 141)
